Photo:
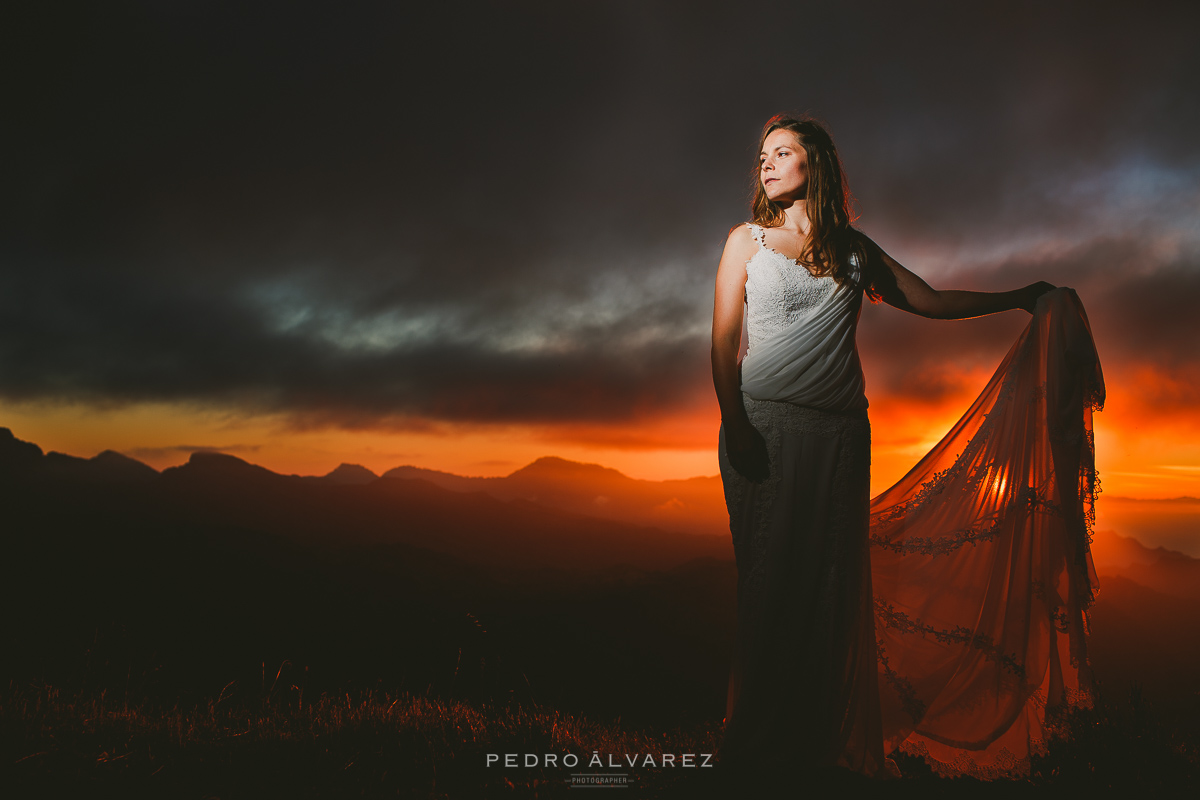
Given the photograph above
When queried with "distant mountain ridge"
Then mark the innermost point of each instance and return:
(1166, 571)
(548, 492)
(17, 456)
(351, 473)
(220, 492)
(1172, 522)
(694, 505)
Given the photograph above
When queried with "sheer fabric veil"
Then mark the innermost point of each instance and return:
(980, 564)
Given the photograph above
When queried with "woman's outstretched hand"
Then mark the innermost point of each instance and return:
(1030, 294)
(747, 452)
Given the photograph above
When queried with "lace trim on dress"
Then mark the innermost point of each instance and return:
(759, 234)
(913, 706)
(1008, 765)
(1027, 499)
(891, 618)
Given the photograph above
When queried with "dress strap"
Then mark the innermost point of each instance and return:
(756, 230)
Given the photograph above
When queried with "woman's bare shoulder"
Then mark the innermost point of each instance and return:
(739, 249)
(740, 239)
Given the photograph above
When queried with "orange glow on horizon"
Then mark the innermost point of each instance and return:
(1139, 455)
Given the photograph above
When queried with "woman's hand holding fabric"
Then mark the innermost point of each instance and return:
(1031, 293)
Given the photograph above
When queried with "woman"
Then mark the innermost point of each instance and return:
(870, 626)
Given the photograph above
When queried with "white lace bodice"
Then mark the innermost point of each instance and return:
(801, 333)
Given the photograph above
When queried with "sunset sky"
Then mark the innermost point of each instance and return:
(469, 235)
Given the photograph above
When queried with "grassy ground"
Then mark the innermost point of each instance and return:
(280, 744)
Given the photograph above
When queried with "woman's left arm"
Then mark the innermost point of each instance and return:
(907, 292)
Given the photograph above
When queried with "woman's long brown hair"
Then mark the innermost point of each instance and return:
(832, 237)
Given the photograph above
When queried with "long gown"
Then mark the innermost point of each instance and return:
(945, 617)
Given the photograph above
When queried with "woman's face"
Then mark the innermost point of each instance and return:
(783, 167)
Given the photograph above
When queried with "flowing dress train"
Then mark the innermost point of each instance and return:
(981, 567)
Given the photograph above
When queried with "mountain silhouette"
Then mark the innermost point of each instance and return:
(223, 491)
(1165, 571)
(693, 505)
(552, 468)
(1170, 522)
(18, 459)
(350, 473)
(22, 459)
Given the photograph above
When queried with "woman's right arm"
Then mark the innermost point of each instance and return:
(743, 443)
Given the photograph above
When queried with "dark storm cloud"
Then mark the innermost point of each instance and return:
(491, 212)
(189, 346)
